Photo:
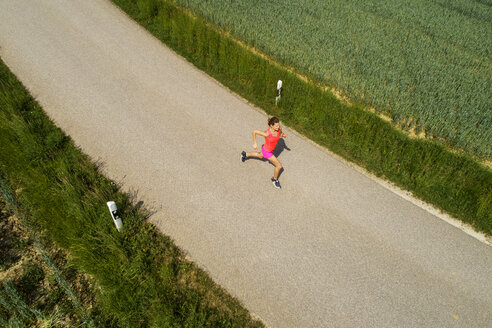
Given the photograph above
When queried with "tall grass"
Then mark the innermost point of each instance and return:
(16, 304)
(31, 279)
(87, 321)
(144, 280)
(427, 64)
(453, 182)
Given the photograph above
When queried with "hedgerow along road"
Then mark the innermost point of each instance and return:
(332, 248)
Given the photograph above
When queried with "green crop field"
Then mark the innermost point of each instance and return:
(427, 64)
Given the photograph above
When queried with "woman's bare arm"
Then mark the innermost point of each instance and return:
(261, 133)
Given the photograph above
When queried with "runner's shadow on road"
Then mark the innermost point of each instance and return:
(281, 146)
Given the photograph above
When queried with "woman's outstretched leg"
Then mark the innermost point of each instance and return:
(254, 154)
(278, 166)
(245, 155)
(276, 171)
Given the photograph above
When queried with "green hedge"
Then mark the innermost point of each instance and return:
(453, 182)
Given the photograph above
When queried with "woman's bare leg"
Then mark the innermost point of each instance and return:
(278, 166)
(255, 154)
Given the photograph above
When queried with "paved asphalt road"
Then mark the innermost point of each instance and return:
(332, 248)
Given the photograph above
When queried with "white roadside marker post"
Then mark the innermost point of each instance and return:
(114, 214)
(279, 91)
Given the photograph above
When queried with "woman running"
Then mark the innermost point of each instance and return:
(272, 135)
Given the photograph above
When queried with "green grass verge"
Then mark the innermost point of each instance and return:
(142, 278)
(38, 285)
(453, 182)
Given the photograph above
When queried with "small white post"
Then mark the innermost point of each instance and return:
(279, 91)
(114, 214)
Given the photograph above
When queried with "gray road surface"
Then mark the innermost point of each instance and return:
(333, 248)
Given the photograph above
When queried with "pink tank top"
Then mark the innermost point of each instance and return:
(271, 141)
